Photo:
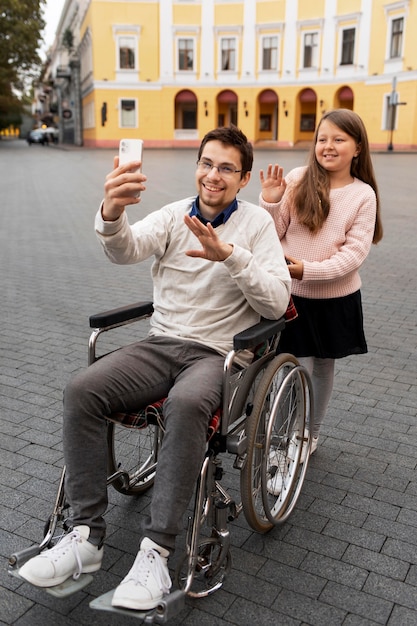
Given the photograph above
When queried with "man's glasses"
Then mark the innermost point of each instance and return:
(224, 170)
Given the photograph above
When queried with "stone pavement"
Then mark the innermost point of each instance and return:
(348, 554)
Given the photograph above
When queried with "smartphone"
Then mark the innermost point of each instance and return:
(131, 150)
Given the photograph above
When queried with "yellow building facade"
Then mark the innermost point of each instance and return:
(168, 71)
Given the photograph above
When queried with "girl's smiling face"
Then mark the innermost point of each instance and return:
(335, 149)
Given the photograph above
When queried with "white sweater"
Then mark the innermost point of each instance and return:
(201, 300)
(333, 255)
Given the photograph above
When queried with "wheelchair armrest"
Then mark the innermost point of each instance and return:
(121, 315)
(258, 333)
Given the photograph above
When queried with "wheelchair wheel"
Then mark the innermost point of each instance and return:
(210, 571)
(272, 476)
(132, 457)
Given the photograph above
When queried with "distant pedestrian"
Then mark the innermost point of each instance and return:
(327, 215)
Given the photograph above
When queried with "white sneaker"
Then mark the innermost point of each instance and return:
(72, 556)
(148, 580)
(280, 475)
(314, 443)
(280, 462)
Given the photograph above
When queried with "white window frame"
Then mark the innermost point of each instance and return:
(263, 39)
(392, 20)
(122, 31)
(341, 34)
(233, 38)
(316, 49)
(134, 47)
(136, 113)
(394, 11)
(194, 48)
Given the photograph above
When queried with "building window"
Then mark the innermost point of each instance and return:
(307, 122)
(310, 56)
(228, 54)
(127, 56)
(128, 114)
(189, 117)
(186, 54)
(265, 122)
(348, 46)
(397, 27)
(270, 53)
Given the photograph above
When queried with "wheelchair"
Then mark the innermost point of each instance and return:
(264, 425)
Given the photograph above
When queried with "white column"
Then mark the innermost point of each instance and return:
(207, 56)
(329, 38)
(166, 71)
(364, 36)
(290, 40)
(249, 41)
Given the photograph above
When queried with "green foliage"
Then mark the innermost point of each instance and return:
(68, 40)
(21, 25)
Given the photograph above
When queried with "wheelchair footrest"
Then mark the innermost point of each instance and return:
(65, 589)
(169, 606)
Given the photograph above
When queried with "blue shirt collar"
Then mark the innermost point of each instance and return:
(221, 218)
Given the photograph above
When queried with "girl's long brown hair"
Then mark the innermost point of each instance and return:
(311, 197)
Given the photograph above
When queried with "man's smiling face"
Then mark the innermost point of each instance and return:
(217, 190)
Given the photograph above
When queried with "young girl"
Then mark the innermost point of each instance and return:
(327, 216)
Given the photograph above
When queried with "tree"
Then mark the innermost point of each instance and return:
(21, 25)
(68, 40)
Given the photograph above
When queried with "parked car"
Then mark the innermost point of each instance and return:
(52, 134)
(37, 136)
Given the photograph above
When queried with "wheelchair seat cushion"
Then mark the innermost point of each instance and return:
(153, 414)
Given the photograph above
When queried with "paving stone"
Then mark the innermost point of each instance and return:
(307, 610)
(12, 605)
(335, 570)
(355, 536)
(357, 602)
(395, 591)
(401, 616)
(376, 562)
(245, 612)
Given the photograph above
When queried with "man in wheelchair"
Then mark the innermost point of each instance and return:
(218, 267)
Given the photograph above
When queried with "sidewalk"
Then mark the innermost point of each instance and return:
(348, 554)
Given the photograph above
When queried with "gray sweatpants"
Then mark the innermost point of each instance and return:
(190, 376)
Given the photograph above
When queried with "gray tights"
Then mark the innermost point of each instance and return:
(322, 376)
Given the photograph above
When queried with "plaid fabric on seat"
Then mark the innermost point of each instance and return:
(291, 312)
(153, 414)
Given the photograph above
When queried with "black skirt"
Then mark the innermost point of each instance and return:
(326, 328)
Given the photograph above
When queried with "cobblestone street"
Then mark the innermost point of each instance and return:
(348, 554)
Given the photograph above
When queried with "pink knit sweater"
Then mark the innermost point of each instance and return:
(333, 255)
